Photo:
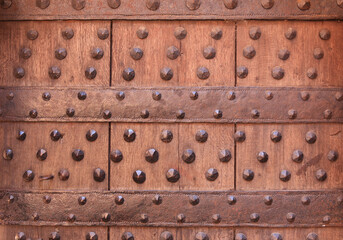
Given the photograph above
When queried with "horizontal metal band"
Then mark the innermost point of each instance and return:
(171, 9)
(179, 104)
(231, 208)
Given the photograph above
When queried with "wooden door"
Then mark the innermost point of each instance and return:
(171, 119)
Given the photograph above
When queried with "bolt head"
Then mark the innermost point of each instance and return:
(91, 236)
(42, 154)
(11, 199)
(120, 95)
(292, 114)
(310, 137)
(327, 114)
(116, 156)
(127, 236)
(267, 4)
(275, 236)
(78, 155)
(211, 174)
(239, 136)
(194, 95)
(82, 200)
(181, 218)
(55, 135)
(304, 4)
(305, 200)
(339, 96)
(249, 52)
(172, 175)
(144, 218)
(166, 73)
(230, 4)
(291, 33)
(248, 175)
(304, 96)
(268, 200)
(28, 175)
(217, 114)
(7, 154)
(82, 95)
(275, 136)
(71, 218)
(285, 175)
(166, 136)
(278, 73)
(224, 155)
(106, 217)
(254, 217)
(231, 95)
(193, 4)
(194, 200)
(284, 54)
(188, 156)
(240, 236)
(262, 157)
(216, 218)
(231, 200)
(157, 199)
(312, 236)
(321, 175)
(290, 217)
(268, 95)
(68, 33)
(90, 73)
(21, 135)
(255, 113)
(180, 33)
(128, 74)
(156, 96)
(203, 73)
(180, 114)
(136, 53)
(139, 176)
(33, 113)
(47, 199)
(97, 53)
(103, 33)
(32, 34)
(119, 200)
(242, 71)
(166, 236)
(173, 52)
(54, 72)
(325, 34)
(70, 112)
(91, 135)
(60, 53)
(312, 73)
(153, 5)
(332, 155)
(25, 53)
(142, 33)
(107, 114)
(209, 52)
(151, 155)
(255, 33)
(217, 33)
(63, 174)
(318, 53)
(99, 175)
(19, 72)
(297, 156)
(114, 3)
(201, 136)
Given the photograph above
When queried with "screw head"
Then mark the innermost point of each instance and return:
(46, 96)
(305, 200)
(268, 200)
(70, 112)
(201, 136)
(332, 155)
(173, 52)
(116, 156)
(194, 95)
(240, 236)
(231, 200)
(216, 218)
(32, 34)
(312, 236)
(21, 135)
(318, 53)
(292, 114)
(144, 218)
(91, 236)
(230, 4)
(103, 33)
(19, 72)
(113, 3)
(82, 200)
(136, 53)
(156, 96)
(217, 114)
(128, 74)
(142, 33)
(7, 154)
(181, 218)
(325, 34)
(327, 114)
(127, 236)
(291, 33)
(78, 155)
(54, 72)
(47, 199)
(33, 113)
(166, 136)
(321, 175)
(203, 73)
(194, 200)
(166, 236)
(82, 95)
(99, 175)
(90, 73)
(120, 95)
(275, 136)
(119, 200)
(172, 175)
(211, 174)
(310, 137)
(326, 219)
(224, 155)
(242, 71)
(25, 53)
(255, 113)
(193, 4)
(157, 199)
(297, 156)
(166, 73)
(239, 136)
(153, 5)
(42, 154)
(284, 54)
(217, 33)
(255, 33)
(97, 53)
(151, 155)
(78, 4)
(249, 52)
(180, 33)
(231, 95)
(248, 175)
(28, 175)
(275, 236)
(188, 156)
(63, 174)
(106, 217)
(278, 73)
(267, 4)
(290, 217)
(139, 176)
(71, 218)
(285, 175)
(254, 217)
(304, 4)
(107, 114)
(180, 114)
(209, 52)
(262, 157)
(68, 33)
(60, 53)
(91, 135)
(20, 236)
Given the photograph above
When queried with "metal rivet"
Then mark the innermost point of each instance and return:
(7, 154)
(129, 135)
(19, 72)
(107, 114)
(292, 114)
(142, 33)
(63, 174)
(78, 4)
(318, 53)
(6, 4)
(224, 155)
(332, 155)
(211, 174)
(278, 73)
(99, 175)
(91, 135)
(120, 95)
(127, 236)
(113, 3)
(340, 3)
(255, 33)
(194, 95)
(32, 34)
(310, 137)
(116, 156)
(216, 218)
(11, 199)
(128, 74)
(201, 136)
(231, 95)
(194, 200)
(144, 218)
(78, 155)
(339, 96)
(254, 217)
(180, 33)
(71, 218)
(173, 52)
(305, 200)
(297, 156)
(153, 5)
(166, 73)
(304, 4)
(157, 199)
(139, 176)
(249, 52)
(106, 217)
(54, 236)
(230, 4)
(68, 33)
(193, 4)
(136, 53)
(172, 175)
(151, 155)
(47, 199)
(304, 96)
(209, 52)
(42, 154)
(156, 96)
(312, 236)
(239, 136)
(290, 217)
(60, 53)
(255, 113)
(166, 236)
(188, 156)
(326, 219)
(203, 73)
(312, 73)
(82, 95)
(248, 175)
(55, 135)
(325, 34)
(180, 114)
(321, 175)
(21, 136)
(92, 236)
(97, 53)
(10, 96)
(181, 218)
(33, 113)
(267, 4)
(327, 114)
(275, 236)
(119, 200)
(82, 200)
(20, 236)
(25, 53)
(291, 33)
(46, 96)
(240, 236)
(268, 200)
(268, 95)
(284, 54)
(242, 71)
(54, 72)
(70, 112)
(217, 33)
(231, 200)
(275, 136)
(166, 136)
(285, 175)
(217, 114)
(90, 72)
(262, 157)
(28, 175)
(103, 33)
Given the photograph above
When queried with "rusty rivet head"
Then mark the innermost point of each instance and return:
(19, 72)
(254, 217)
(142, 33)
(291, 33)
(54, 72)
(139, 176)
(312, 236)
(249, 52)
(275, 236)
(33, 113)
(7, 154)
(129, 135)
(231, 200)
(28, 175)
(275, 136)
(318, 53)
(172, 175)
(166, 73)
(297, 156)
(267, 4)
(20, 236)
(209, 52)
(145, 113)
(269, 95)
(6, 4)
(151, 155)
(321, 175)
(285, 175)
(21, 136)
(99, 175)
(103, 33)
(268, 200)
(304, 4)
(78, 155)
(292, 114)
(47, 199)
(201, 236)
(91, 135)
(339, 96)
(70, 112)
(97, 53)
(304, 96)
(156, 96)
(153, 5)
(326, 219)
(166, 136)
(284, 54)
(262, 157)
(211, 174)
(180, 114)
(116, 156)
(173, 52)
(54, 236)
(325, 34)
(194, 95)
(119, 200)
(217, 114)
(68, 33)
(230, 4)
(136, 53)
(312, 73)
(242, 71)
(25, 53)
(113, 3)
(201, 136)
(248, 175)
(239, 136)
(78, 4)
(127, 236)
(82, 95)
(216, 218)
(180, 33)
(120, 95)
(255, 33)
(46, 96)
(60, 53)
(63, 174)
(128, 74)
(224, 155)
(55, 135)
(240, 236)
(194, 200)
(310, 137)
(255, 113)
(188, 156)
(107, 114)
(144, 218)
(82, 200)
(327, 114)
(290, 217)
(106, 217)
(278, 73)
(231, 95)
(90, 72)
(332, 155)
(32, 34)
(203, 73)
(11, 199)
(166, 236)
(340, 3)
(193, 4)
(42, 154)
(10, 96)
(157, 199)
(217, 33)
(92, 236)
(305, 200)
(181, 218)
(71, 218)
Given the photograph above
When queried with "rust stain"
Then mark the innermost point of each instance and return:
(310, 163)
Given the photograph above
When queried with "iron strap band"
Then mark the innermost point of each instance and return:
(178, 104)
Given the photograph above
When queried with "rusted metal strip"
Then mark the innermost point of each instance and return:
(191, 104)
(232, 208)
(170, 9)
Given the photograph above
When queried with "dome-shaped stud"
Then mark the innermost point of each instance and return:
(267, 4)
(297, 156)
(180, 114)
(318, 53)
(127, 236)
(60, 53)
(194, 200)
(114, 3)
(157, 199)
(292, 114)
(120, 95)
(68, 33)
(107, 114)
(278, 73)
(99, 175)
(54, 72)
(284, 54)
(54, 236)
(249, 52)
(91, 135)
(47, 199)
(129, 135)
(305, 96)
(254, 217)
(305, 200)
(312, 236)
(217, 33)
(139, 176)
(231, 200)
(262, 157)
(28, 175)
(173, 52)
(332, 155)
(70, 112)
(275, 236)
(156, 96)
(128, 74)
(285, 175)
(103, 33)
(268, 200)
(116, 156)
(172, 175)
(209, 52)
(145, 113)
(340, 3)
(97, 53)
(239, 136)
(242, 71)
(166, 136)
(310, 137)
(90, 72)
(144, 218)
(106, 217)
(82, 200)
(21, 136)
(55, 135)
(142, 33)
(268, 95)
(20, 236)
(194, 95)
(224, 155)
(304, 4)
(201, 136)
(92, 236)
(188, 156)
(11, 199)
(216, 218)
(321, 175)
(35, 216)
(255, 33)
(248, 175)
(166, 73)
(78, 4)
(8, 154)
(19, 72)
(151, 155)
(152, 5)
(10, 96)
(82, 95)
(230, 4)
(180, 33)
(217, 114)
(46, 96)
(181, 218)
(327, 114)
(324, 34)
(32, 34)
(166, 236)
(78, 155)
(71, 218)
(25, 53)
(33, 113)
(255, 113)
(63, 174)
(275, 136)
(211, 174)
(290, 217)
(240, 236)
(203, 73)
(231, 95)
(42, 154)
(326, 219)
(291, 33)
(119, 200)
(5, 4)
(136, 53)
(201, 236)
(193, 4)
